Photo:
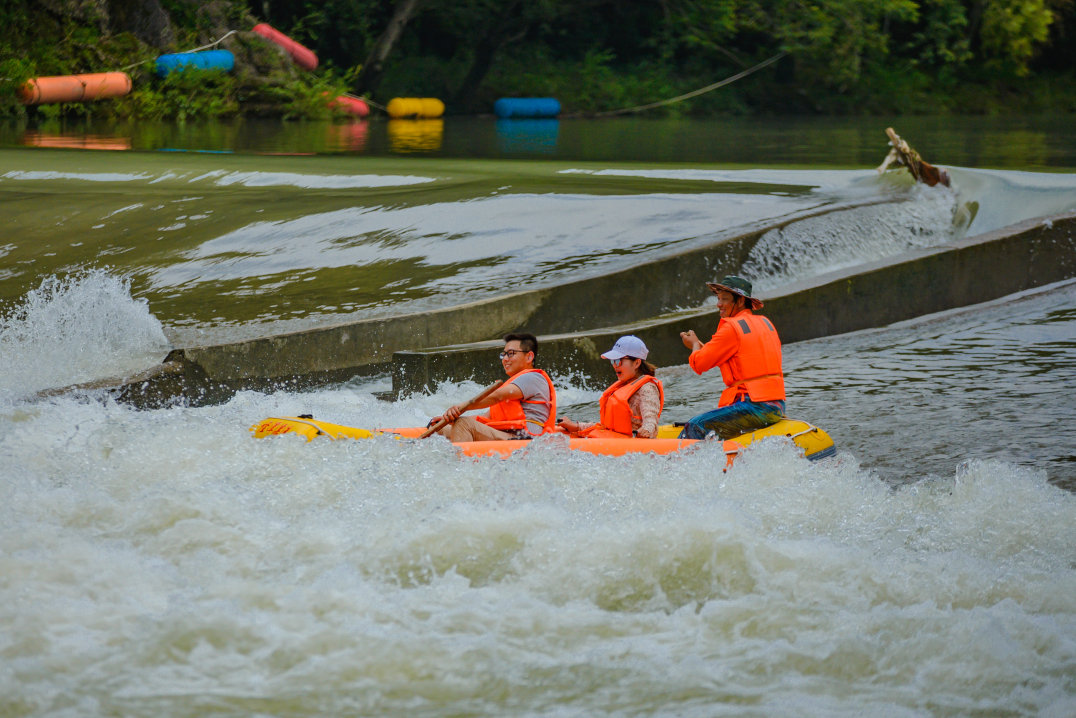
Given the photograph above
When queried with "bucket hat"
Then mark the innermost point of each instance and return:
(736, 285)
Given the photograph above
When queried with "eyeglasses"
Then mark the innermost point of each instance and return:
(616, 362)
(509, 353)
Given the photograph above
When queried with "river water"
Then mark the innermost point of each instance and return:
(164, 563)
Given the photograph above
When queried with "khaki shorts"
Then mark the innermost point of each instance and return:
(468, 428)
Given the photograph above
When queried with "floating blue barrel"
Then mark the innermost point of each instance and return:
(507, 107)
(207, 60)
(526, 135)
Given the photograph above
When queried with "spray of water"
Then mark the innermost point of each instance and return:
(77, 328)
(166, 563)
(849, 238)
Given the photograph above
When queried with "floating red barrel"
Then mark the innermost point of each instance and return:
(74, 88)
(304, 57)
(351, 105)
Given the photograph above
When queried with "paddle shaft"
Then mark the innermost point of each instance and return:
(442, 423)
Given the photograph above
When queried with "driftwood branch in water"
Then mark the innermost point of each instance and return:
(903, 155)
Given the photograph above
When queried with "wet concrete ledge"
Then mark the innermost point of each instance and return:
(965, 272)
(209, 374)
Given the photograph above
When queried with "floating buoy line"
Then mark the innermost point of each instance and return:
(95, 86)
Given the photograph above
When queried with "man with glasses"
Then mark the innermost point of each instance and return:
(523, 407)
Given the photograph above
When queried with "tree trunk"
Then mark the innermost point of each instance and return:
(975, 21)
(480, 64)
(374, 67)
(494, 37)
(145, 19)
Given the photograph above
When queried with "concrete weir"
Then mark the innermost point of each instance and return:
(968, 271)
(455, 343)
(208, 374)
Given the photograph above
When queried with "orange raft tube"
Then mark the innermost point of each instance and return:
(304, 57)
(74, 88)
(605, 447)
(815, 443)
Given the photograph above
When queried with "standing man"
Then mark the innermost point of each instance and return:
(748, 351)
(523, 407)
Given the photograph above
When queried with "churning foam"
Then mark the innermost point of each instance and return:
(76, 329)
(165, 562)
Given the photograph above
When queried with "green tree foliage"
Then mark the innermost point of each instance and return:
(940, 39)
(184, 95)
(339, 31)
(834, 38)
(1013, 30)
(594, 55)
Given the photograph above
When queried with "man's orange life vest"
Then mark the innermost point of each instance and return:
(616, 414)
(755, 369)
(508, 415)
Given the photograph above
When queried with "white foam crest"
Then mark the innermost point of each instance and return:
(564, 235)
(34, 175)
(814, 179)
(75, 329)
(148, 557)
(304, 181)
(1004, 198)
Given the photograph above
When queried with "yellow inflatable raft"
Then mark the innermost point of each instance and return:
(815, 443)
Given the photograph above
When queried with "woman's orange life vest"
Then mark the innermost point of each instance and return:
(616, 414)
(508, 415)
(755, 369)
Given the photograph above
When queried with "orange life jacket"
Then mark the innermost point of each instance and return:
(755, 369)
(508, 415)
(616, 413)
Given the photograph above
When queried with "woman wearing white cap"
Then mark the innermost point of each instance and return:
(632, 405)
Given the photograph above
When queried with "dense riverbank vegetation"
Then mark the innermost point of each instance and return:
(835, 56)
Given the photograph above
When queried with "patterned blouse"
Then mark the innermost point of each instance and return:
(646, 403)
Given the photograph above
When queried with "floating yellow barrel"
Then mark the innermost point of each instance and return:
(74, 88)
(415, 135)
(404, 107)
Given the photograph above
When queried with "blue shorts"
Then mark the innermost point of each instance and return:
(734, 419)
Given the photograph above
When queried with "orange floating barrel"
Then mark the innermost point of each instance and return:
(74, 88)
(425, 107)
(304, 57)
(85, 142)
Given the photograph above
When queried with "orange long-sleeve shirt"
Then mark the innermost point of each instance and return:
(722, 346)
(750, 363)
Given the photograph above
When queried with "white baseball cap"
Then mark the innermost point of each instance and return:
(628, 346)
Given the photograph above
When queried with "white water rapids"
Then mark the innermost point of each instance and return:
(166, 563)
